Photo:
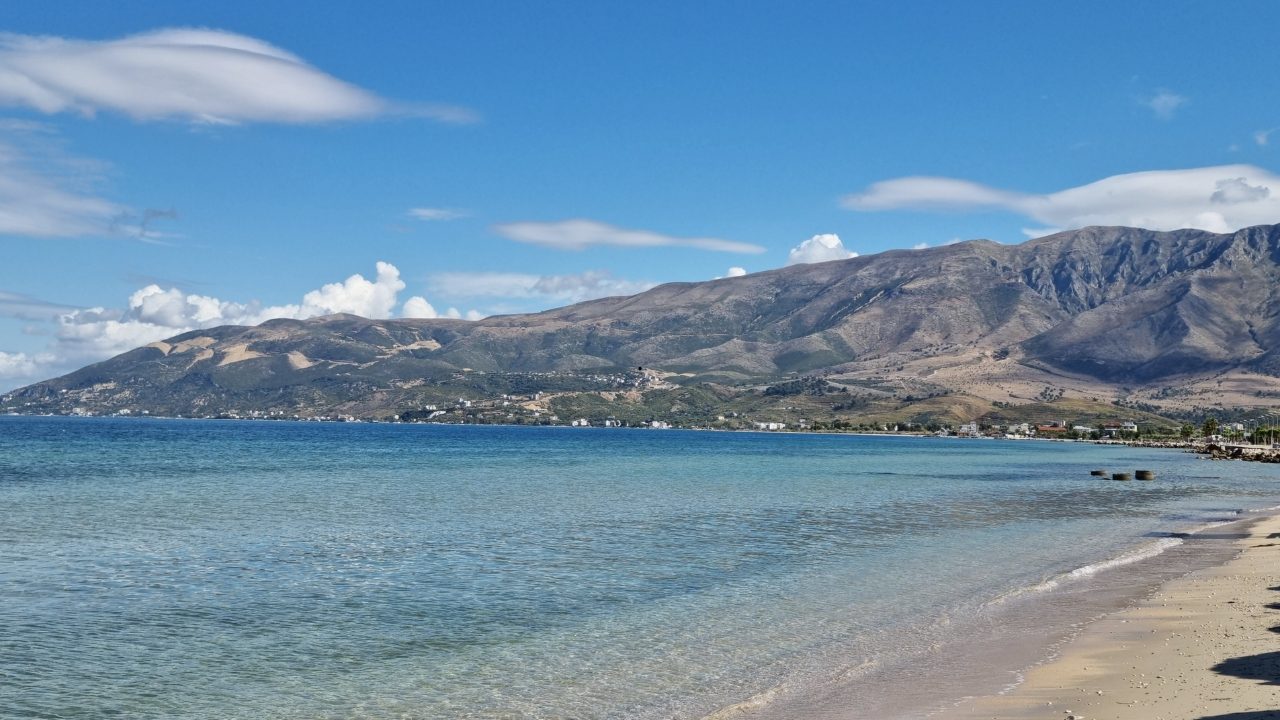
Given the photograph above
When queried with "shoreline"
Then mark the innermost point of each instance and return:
(1200, 646)
(986, 676)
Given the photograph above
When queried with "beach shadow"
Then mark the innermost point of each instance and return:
(1272, 606)
(1264, 667)
(1250, 715)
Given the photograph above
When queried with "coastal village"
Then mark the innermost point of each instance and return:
(653, 399)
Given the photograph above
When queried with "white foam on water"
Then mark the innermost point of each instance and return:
(1138, 554)
(755, 702)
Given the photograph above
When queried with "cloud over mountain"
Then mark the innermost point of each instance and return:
(1218, 199)
(565, 288)
(819, 248)
(153, 313)
(579, 234)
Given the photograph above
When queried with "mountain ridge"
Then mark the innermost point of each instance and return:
(1113, 312)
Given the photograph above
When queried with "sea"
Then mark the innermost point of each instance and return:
(157, 568)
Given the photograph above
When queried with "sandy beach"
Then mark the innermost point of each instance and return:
(1204, 646)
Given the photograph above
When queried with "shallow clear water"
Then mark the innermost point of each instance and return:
(215, 569)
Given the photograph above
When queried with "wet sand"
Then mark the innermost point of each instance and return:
(1203, 647)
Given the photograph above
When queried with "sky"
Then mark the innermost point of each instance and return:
(171, 166)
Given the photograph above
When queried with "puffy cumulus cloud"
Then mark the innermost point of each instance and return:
(355, 295)
(564, 288)
(1218, 199)
(20, 365)
(1238, 190)
(579, 234)
(198, 75)
(819, 248)
(434, 214)
(1165, 103)
(735, 272)
(418, 308)
(155, 313)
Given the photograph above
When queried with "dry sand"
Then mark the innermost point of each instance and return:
(1206, 646)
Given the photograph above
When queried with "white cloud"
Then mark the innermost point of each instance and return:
(1263, 137)
(371, 299)
(20, 365)
(930, 193)
(565, 288)
(418, 308)
(198, 75)
(579, 234)
(735, 271)
(920, 246)
(1237, 190)
(1165, 103)
(1218, 199)
(819, 248)
(25, 307)
(431, 214)
(45, 192)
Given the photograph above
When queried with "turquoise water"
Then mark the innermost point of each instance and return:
(218, 569)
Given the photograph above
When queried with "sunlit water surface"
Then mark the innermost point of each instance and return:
(214, 569)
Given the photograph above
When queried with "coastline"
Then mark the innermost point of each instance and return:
(1201, 646)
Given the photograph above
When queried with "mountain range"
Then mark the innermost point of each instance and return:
(1169, 322)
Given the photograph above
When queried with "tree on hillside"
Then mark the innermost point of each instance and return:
(1187, 431)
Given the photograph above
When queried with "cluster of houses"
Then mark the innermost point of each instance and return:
(1058, 429)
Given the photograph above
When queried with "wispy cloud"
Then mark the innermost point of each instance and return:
(44, 190)
(565, 288)
(25, 307)
(433, 214)
(1263, 137)
(1165, 103)
(579, 234)
(820, 248)
(1219, 199)
(196, 75)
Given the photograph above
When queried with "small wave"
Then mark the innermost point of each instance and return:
(1144, 552)
(755, 702)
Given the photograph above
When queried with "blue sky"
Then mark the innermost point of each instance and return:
(154, 179)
